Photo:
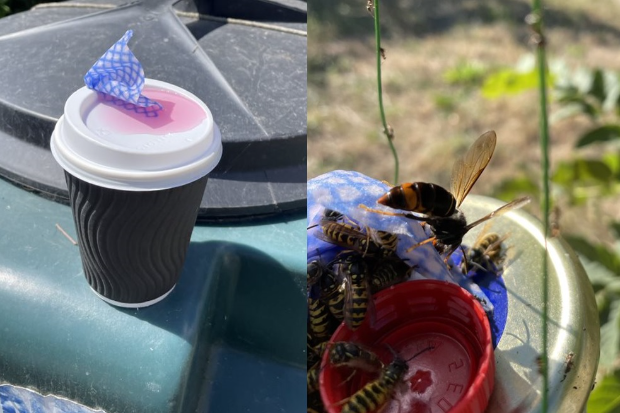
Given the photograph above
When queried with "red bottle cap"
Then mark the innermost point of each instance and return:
(447, 331)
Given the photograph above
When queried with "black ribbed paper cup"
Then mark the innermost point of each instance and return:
(135, 184)
(133, 244)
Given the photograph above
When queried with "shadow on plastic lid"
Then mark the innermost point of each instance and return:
(443, 335)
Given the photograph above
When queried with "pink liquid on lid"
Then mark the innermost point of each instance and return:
(179, 114)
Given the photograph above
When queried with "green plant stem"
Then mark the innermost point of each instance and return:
(544, 142)
(386, 130)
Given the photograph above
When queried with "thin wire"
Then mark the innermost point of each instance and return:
(386, 130)
(190, 15)
(537, 25)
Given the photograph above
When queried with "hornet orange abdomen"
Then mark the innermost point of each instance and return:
(422, 197)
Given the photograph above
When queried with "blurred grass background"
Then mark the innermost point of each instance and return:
(456, 69)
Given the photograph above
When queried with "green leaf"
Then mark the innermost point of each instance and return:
(602, 305)
(612, 160)
(612, 89)
(615, 228)
(565, 174)
(614, 288)
(445, 103)
(597, 87)
(510, 189)
(595, 252)
(573, 109)
(598, 274)
(604, 133)
(509, 82)
(593, 170)
(582, 79)
(582, 172)
(465, 74)
(610, 337)
(605, 398)
(567, 93)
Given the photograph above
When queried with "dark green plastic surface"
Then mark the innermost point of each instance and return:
(229, 338)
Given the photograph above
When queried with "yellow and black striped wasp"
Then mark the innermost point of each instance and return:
(314, 272)
(332, 290)
(340, 230)
(358, 302)
(344, 294)
(487, 252)
(354, 356)
(321, 321)
(374, 396)
(385, 273)
(439, 207)
(312, 376)
(368, 242)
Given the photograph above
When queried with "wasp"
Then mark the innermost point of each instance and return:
(312, 357)
(353, 355)
(439, 207)
(313, 378)
(345, 294)
(332, 291)
(375, 395)
(321, 323)
(319, 320)
(385, 273)
(330, 215)
(569, 364)
(386, 240)
(487, 247)
(314, 272)
(358, 301)
(486, 252)
(314, 352)
(346, 290)
(371, 243)
(331, 297)
(338, 229)
(312, 375)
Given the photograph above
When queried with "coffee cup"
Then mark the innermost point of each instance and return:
(136, 179)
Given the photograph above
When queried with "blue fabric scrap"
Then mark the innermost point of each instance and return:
(14, 399)
(119, 77)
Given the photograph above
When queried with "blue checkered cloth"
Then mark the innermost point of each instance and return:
(119, 77)
(14, 399)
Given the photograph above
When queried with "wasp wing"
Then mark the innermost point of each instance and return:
(516, 204)
(467, 169)
(349, 302)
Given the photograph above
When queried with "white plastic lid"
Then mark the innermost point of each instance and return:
(132, 160)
